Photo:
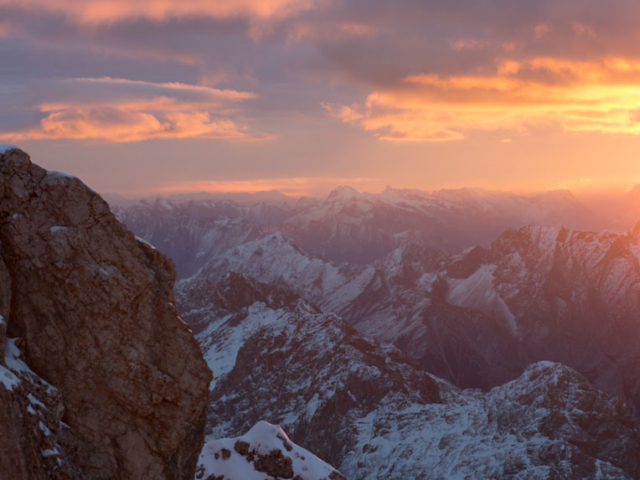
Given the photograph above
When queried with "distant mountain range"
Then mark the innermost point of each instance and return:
(347, 226)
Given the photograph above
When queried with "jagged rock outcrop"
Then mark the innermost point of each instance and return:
(93, 308)
(265, 452)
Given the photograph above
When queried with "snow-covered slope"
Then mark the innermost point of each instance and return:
(480, 317)
(273, 352)
(574, 297)
(373, 413)
(194, 232)
(276, 260)
(401, 300)
(549, 423)
(263, 453)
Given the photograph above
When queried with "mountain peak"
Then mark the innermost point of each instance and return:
(343, 192)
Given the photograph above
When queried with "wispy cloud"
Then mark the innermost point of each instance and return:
(120, 110)
(104, 11)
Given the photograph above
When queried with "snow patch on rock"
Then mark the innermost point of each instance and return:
(264, 452)
(4, 148)
(477, 291)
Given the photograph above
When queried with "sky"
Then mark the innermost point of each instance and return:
(161, 96)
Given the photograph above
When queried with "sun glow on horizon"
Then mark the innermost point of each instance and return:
(598, 96)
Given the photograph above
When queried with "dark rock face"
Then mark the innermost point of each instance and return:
(30, 419)
(94, 309)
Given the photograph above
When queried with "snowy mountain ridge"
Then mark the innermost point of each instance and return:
(466, 317)
(373, 413)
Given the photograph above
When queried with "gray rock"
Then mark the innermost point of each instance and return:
(94, 307)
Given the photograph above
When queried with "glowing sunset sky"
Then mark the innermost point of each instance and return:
(302, 95)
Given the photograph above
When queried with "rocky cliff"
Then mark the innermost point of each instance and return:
(100, 377)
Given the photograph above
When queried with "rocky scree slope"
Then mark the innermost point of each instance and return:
(373, 413)
(96, 356)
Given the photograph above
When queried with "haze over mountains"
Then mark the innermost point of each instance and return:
(471, 286)
(347, 226)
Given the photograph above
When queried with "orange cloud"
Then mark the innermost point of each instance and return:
(121, 125)
(120, 110)
(312, 32)
(597, 96)
(573, 185)
(541, 30)
(469, 44)
(101, 11)
(580, 29)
